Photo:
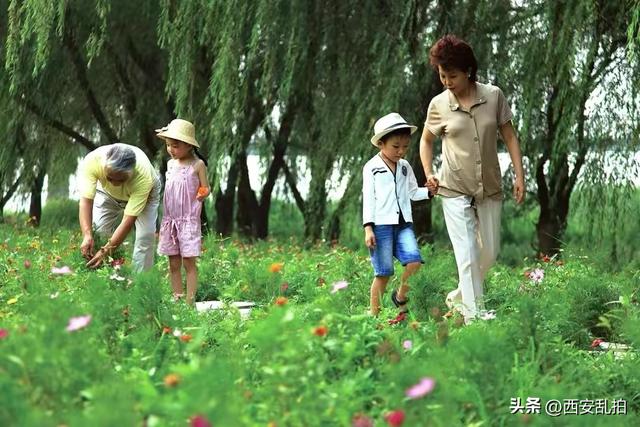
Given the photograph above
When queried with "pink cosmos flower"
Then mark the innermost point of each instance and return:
(536, 275)
(424, 387)
(3, 333)
(61, 270)
(117, 263)
(80, 322)
(200, 421)
(407, 344)
(361, 420)
(339, 285)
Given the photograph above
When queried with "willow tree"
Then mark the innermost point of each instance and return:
(283, 73)
(86, 74)
(567, 57)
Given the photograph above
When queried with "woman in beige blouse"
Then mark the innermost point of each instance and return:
(467, 115)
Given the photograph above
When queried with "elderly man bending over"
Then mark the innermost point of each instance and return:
(113, 180)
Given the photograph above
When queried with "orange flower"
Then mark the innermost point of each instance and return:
(172, 380)
(202, 192)
(166, 330)
(185, 337)
(276, 267)
(320, 331)
(281, 300)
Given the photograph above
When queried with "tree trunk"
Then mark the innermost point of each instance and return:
(5, 197)
(315, 213)
(35, 205)
(261, 217)
(247, 202)
(316, 204)
(334, 227)
(224, 202)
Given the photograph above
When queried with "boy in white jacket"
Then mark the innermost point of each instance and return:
(388, 186)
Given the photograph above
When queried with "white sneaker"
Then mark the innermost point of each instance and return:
(454, 299)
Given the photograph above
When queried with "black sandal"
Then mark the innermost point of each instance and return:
(396, 301)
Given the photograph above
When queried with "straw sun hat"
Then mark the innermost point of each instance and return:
(387, 124)
(181, 130)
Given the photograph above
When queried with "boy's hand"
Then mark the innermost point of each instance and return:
(432, 184)
(369, 237)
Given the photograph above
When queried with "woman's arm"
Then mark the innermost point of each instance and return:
(511, 141)
(426, 157)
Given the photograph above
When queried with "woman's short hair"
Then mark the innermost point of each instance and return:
(121, 159)
(451, 52)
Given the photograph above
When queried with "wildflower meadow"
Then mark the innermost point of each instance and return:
(108, 347)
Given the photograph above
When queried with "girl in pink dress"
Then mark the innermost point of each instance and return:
(186, 186)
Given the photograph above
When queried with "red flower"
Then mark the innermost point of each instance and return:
(185, 337)
(166, 330)
(545, 258)
(395, 418)
(320, 331)
(401, 317)
(3, 333)
(200, 421)
(281, 300)
(27, 264)
(596, 343)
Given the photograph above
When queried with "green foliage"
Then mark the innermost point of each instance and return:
(60, 213)
(125, 366)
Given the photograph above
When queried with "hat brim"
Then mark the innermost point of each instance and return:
(377, 136)
(167, 133)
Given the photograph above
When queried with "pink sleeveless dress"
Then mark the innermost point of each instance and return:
(180, 230)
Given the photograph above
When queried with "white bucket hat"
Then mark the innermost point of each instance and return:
(388, 124)
(181, 130)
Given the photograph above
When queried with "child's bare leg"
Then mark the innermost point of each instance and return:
(192, 278)
(175, 274)
(377, 289)
(409, 270)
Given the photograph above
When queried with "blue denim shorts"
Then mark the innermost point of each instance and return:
(393, 240)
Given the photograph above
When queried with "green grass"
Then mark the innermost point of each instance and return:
(273, 368)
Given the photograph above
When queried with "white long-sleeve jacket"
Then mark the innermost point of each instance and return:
(385, 195)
